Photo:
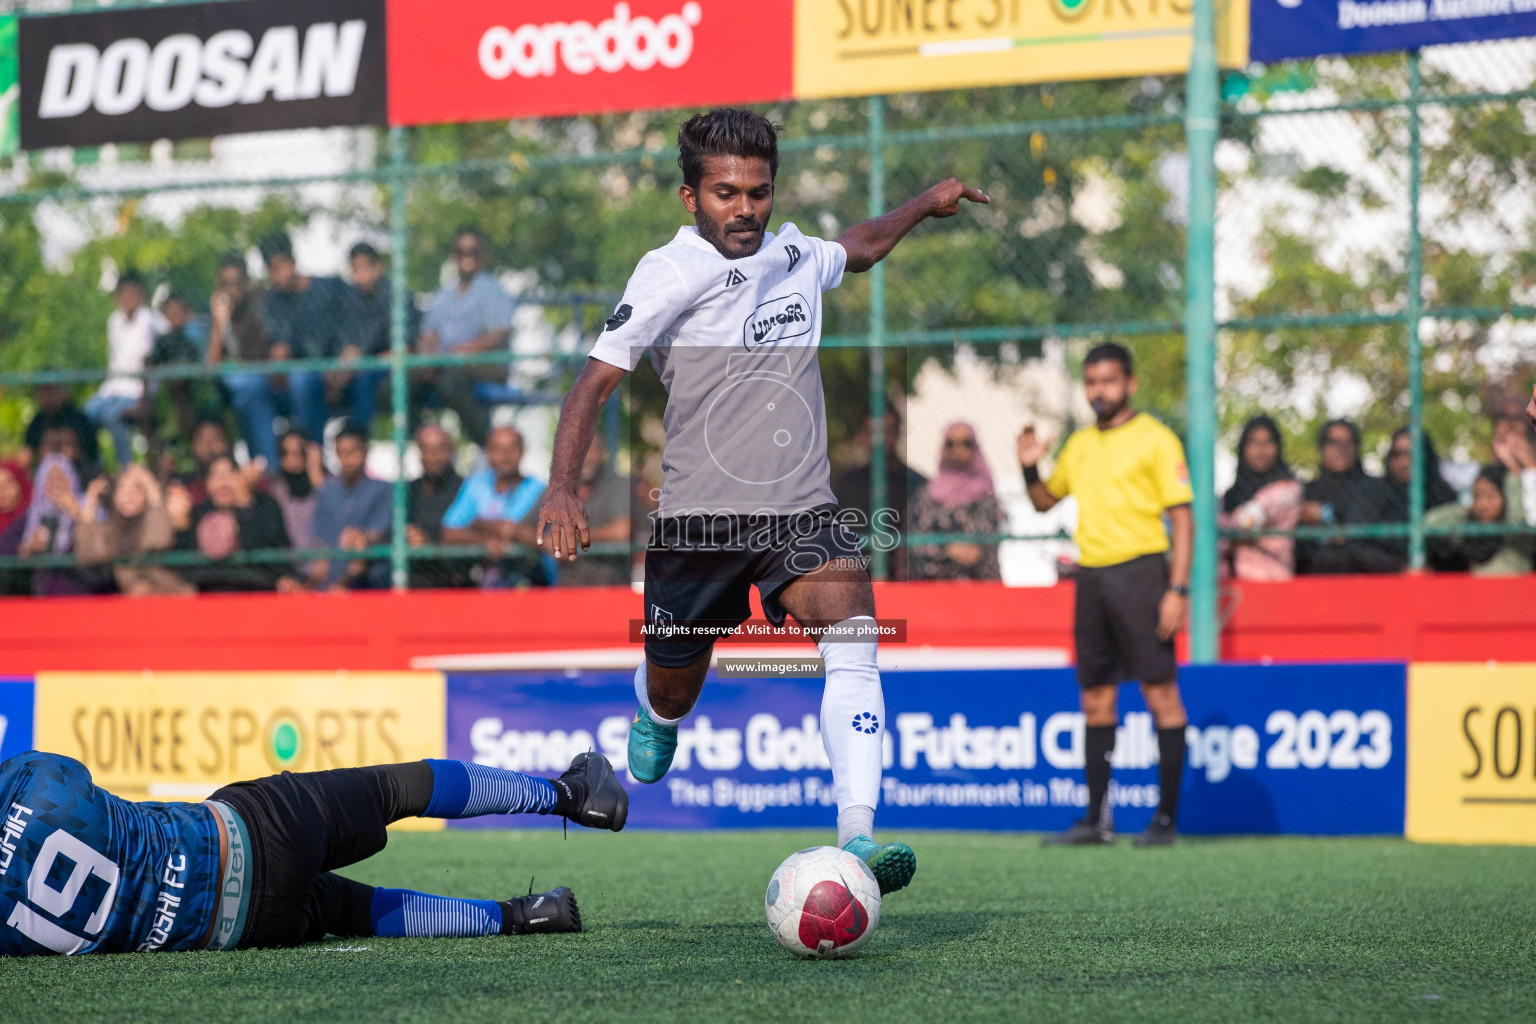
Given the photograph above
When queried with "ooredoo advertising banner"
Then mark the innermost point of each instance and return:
(1312, 749)
(191, 70)
(864, 47)
(480, 60)
(1312, 28)
(1472, 761)
(181, 735)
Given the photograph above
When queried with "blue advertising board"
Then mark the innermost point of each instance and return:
(15, 716)
(1305, 749)
(1281, 29)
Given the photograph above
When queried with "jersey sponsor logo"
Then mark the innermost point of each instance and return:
(794, 257)
(777, 319)
(734, 278)
(620, 317)
(610, 46)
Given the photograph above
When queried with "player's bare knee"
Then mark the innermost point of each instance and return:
(1099, 704)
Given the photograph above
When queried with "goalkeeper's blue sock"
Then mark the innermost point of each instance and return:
(462, 789)
(404, 913)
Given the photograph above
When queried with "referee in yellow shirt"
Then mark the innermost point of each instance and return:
(1126, 471)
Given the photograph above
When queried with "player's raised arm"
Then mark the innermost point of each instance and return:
(870, 242)
(562, 509)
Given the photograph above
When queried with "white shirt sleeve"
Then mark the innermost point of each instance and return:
(831, 260)
(653, 300)
(1528, 495)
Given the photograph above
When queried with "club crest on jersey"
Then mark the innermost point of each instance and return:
(785, 317)
(794, 257)
(734, 278)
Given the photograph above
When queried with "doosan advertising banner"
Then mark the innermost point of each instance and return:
(1309, 749)
(480, 60)
(192, 70)
(1283, 29)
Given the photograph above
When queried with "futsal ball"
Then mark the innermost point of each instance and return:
(823, 903)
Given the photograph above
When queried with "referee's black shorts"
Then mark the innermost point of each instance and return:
(1115, 626)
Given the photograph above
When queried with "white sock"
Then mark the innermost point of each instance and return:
(643, 694)
(857, 820)
(852, 727)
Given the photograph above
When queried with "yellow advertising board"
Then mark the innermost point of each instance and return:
(1472, 753)
(866, 47)
(181, 735)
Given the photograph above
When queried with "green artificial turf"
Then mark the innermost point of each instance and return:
(994, 928)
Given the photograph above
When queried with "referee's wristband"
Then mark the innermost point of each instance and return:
(1031, 474)
(1178, 588)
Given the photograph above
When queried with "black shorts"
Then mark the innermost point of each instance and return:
(302, 827)
(700, 569)
(1115, 626)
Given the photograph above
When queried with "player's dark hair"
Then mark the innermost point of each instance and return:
(726, 131)
(273, 245)
(363, 249)
(1110, 352)
(354, 430)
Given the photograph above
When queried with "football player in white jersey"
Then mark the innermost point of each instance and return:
(731, 316)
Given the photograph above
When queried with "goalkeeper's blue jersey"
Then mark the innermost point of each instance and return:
(83, 871)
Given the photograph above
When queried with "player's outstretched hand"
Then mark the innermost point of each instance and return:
(566, 517)
(1031, 448)
(946, 196)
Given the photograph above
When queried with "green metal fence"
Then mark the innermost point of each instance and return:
(1314, 238)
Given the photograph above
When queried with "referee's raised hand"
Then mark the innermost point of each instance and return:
(1031, 449)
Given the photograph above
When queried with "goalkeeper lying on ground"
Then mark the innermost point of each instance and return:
(82, 871)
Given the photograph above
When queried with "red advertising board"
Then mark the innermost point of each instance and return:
(482, 60)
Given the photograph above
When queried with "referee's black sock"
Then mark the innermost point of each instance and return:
(1099, 744)
(1170, 770)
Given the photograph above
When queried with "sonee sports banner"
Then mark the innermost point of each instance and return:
(1313, 28)
(1310, 749)
(191, 70)
(481, 60)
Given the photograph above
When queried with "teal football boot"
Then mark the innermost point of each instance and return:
(651, 747)
(893, 864)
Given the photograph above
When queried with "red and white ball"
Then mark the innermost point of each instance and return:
(823, 903)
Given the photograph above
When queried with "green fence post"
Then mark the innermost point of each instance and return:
(878, 454)
(1412, 313)
(398, 396)
(1201, 121)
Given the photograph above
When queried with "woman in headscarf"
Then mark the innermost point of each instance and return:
(50, 529)
(137, 523)
(1438, 494)
(1344, 494)
(960, 499)
(1493, 501)
(1265, 496)
(15, 497)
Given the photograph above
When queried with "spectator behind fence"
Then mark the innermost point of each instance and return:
(499, 507)
(605, 495)
(1438, 493)
(366, 329)
(56, 410)
(960, 499)
(902, 482)
(1495, 499)
(1265, 496)
(1513, 448)
(131, 331)
(295, 485)
(15, 497)
(304, 320)
(239, 333)
(236, 517)
(210, 440)
(136, 523)
(184, 400)
(1344, 494)
(474, 314)
(50, 528)
(428, 499)
(352, 511)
